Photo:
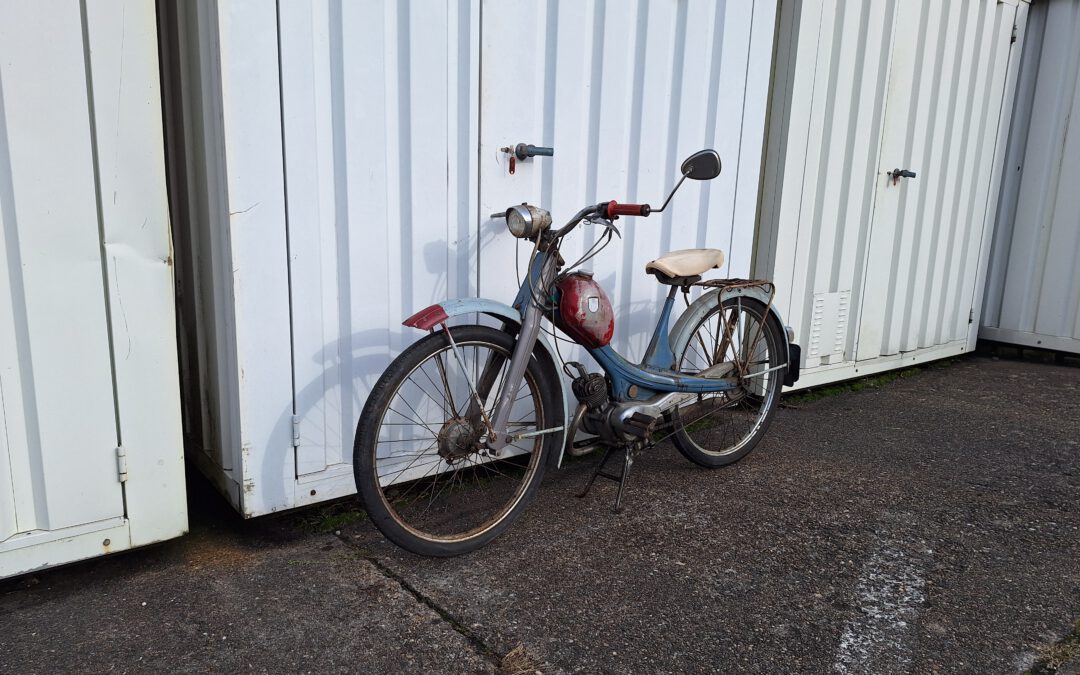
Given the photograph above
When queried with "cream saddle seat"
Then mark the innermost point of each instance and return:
(682, 268)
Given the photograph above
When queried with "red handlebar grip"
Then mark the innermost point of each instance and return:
(616, 209)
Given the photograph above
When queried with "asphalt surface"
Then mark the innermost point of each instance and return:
(929, 524)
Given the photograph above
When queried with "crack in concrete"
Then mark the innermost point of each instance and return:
(482, 648)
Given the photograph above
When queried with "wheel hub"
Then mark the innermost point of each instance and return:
(457, 439)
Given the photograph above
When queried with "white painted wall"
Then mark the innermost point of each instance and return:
(334, 167)
(1033, 290)
(87, 334)
(875, 275)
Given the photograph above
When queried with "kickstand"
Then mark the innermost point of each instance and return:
(628, 461)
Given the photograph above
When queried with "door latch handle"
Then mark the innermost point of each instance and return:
(523, 151)
(897, 174)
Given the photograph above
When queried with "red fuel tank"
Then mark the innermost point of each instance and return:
(585, 312)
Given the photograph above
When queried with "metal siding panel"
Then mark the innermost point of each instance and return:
(1058, 302)
(960, 62)
(257, 251)
(8, 523)
(1024, 101)
(888, 197)
(960, 182)
(999, 192)
(833, 193)
(58, 394)
(369, 185)
(377, 132)
(621, 122)
(871, 90)
(1038, 185)
(966, 168)
(941, 163)
(122, 43)
(1033, 295)
(982, 208)
(789, 131)
(908, 246)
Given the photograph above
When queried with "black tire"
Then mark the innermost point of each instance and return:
(720, 429)
(392, 503)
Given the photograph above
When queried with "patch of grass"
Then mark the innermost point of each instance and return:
(1054, 656)
(331, 517)
(518, 661)
(701, 424)
(869, 382)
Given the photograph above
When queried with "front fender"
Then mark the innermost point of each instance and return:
(428, 318)
(682, 331)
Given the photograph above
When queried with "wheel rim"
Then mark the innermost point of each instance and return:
(434, 477)
(724, 423)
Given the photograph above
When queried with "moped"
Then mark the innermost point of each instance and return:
(455, 436)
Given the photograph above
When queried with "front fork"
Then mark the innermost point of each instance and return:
(498, 436)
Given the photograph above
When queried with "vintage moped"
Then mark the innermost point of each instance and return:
(456, 434)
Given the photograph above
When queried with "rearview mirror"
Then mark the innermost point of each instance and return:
(702, 165)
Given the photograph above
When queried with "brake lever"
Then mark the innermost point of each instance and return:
(608, 225)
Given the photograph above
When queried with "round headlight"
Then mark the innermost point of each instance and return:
(527, 222)
(520, 221)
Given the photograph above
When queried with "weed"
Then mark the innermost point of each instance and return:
(331, 517)
(1054, 656)
(869, 382)
(518, 661)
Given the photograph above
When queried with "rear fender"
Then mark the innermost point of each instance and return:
(428, 318)
(682, 331)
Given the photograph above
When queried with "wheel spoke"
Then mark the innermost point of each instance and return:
(727, 423)
(430, 476)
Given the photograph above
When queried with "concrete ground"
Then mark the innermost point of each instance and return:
(928, 524)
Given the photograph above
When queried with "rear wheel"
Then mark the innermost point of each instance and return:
(720, 428)
(422, 473)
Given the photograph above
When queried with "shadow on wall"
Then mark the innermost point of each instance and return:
(330, 404)
(357, 359)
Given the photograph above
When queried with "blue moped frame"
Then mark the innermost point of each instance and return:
(629, 381)
(655, 374)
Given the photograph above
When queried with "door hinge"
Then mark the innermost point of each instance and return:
(121, 464)
(296, 431)
(1012, 40)
(971, 315)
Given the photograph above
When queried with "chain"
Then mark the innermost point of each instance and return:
(666, 426)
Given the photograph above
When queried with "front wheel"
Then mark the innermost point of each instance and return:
(422, 472)
(721, 428)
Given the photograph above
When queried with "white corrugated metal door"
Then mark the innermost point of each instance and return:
(1033, 292)
(623, 92)
(87, 333)
(941, 122)
(378, 109)
(881, 270)
(56, 383)
(381, 111)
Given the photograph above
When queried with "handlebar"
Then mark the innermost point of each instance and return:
(615, 209)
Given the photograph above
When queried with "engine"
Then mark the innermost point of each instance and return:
(613, 423)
